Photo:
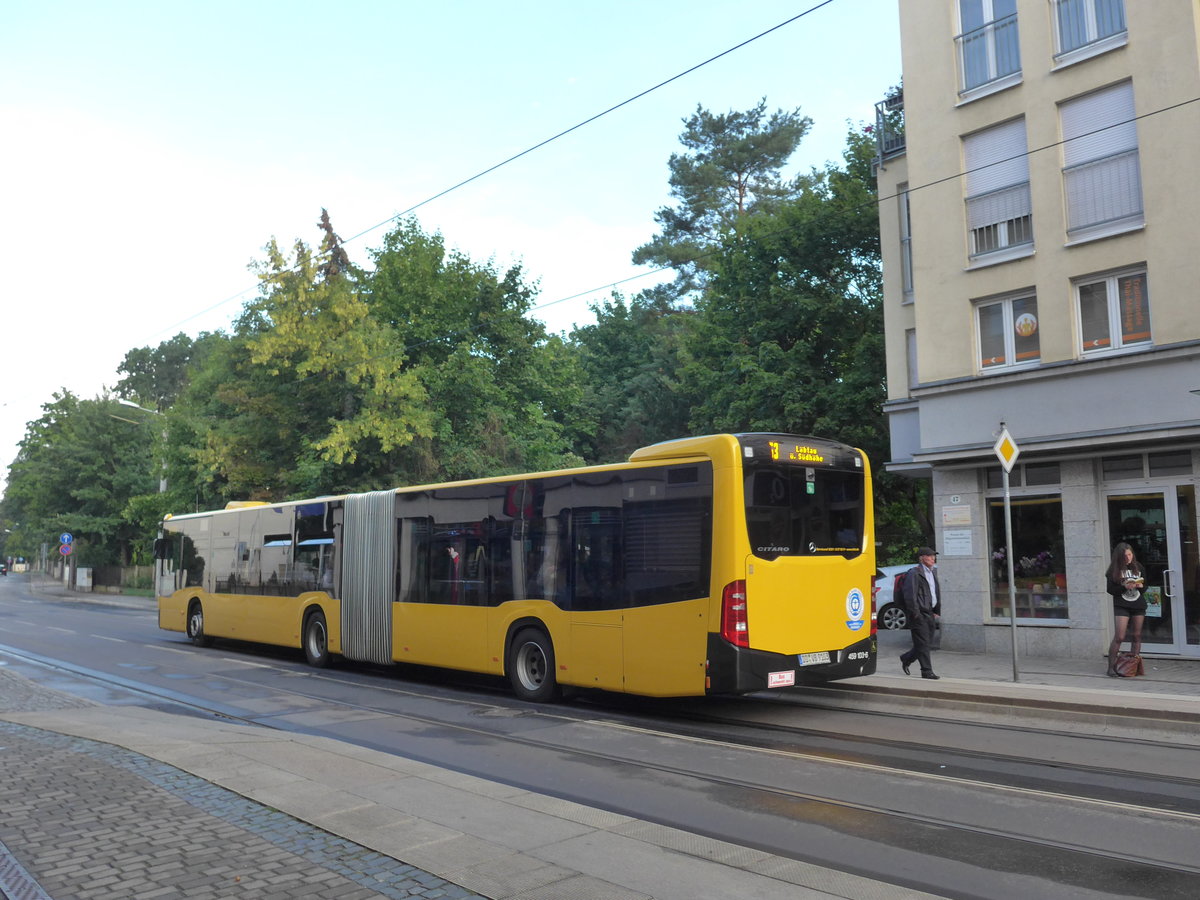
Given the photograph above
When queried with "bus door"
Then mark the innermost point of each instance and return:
(597, 598)
(668, 576)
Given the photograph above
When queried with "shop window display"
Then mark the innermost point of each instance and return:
(1039, 569)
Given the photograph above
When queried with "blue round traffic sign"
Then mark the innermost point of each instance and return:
(65, 538)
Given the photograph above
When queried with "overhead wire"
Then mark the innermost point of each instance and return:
(408, 348)
(662, 269)
(527, 151)
(909, 190)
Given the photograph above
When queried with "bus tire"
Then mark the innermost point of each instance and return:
(316, 640)
(195, 625)
(531, 666)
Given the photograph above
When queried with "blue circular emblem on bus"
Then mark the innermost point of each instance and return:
(855, 607)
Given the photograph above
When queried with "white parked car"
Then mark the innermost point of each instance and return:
(889, 608)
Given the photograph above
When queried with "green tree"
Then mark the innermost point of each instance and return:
(76, 470)
(631, 360)
(155, 376)
(730, 172)
(312, 326)
(337, 379)
(500, 390)
(790, 333)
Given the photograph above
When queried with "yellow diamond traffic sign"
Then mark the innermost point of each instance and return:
(1007, 450)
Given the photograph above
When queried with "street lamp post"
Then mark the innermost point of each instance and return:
(162, 481)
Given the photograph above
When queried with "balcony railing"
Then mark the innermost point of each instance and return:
(889, 126)
(1084, 22)
(989, 53)
(1103, 191)
(1000, 219)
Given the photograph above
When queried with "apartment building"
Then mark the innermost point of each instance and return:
(1039, 213)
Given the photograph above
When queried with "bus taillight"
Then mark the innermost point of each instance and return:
(874, 610)
(734, 627)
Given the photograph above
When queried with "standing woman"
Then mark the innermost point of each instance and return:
(1125, 583)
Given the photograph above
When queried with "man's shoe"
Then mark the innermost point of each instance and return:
(930, 675)
(905, 666)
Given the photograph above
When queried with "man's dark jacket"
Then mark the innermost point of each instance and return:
(918, 602)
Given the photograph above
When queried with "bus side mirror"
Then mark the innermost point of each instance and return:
(162, 548)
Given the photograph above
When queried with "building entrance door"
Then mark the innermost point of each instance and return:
(1161, 525)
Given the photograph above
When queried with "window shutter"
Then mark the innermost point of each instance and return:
(999, 206)
(996, 158)
(1098, 125)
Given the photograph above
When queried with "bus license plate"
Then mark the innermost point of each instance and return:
(814, 659)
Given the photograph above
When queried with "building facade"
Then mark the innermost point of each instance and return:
(1038, 219)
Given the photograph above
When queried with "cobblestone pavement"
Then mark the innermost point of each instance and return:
(81, 819)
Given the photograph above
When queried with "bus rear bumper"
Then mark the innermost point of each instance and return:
(737, 670)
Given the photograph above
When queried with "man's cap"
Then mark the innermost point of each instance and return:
(926, 551)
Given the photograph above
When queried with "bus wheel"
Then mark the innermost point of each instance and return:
(316, 640)
(195, 625)
(531, 666)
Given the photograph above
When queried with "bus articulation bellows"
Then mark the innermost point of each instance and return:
(708, 565)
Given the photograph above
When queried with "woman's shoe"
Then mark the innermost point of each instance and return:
(1113, 673)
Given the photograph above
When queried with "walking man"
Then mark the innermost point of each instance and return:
(923, 603)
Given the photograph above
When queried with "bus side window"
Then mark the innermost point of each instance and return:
(500, 573)
(667, 550)
(598, 570)
(191, 562)
(412, 562)
(546, 559)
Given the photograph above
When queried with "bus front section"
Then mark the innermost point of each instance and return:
(798, 611)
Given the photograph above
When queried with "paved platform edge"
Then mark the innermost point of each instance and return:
(1074, 699)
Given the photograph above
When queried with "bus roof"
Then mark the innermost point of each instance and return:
(723, 449)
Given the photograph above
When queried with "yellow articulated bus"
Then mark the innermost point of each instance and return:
(708, 565)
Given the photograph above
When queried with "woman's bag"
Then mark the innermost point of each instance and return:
(1129, 665)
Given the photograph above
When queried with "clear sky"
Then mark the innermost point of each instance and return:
(151, 148)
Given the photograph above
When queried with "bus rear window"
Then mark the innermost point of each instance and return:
(803, 511)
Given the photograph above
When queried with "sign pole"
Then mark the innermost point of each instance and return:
(1007, 452)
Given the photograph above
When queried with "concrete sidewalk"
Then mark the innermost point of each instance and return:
(124, 802)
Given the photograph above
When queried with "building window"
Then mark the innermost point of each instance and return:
(1041, 473)
(988, 50)
(1083, 23)
(1025, 475)
(910, 356)
(1008, 332)
(1118, 468)
(1114, 313)
(1039, 569)
(1177, 462)
(1161, 465)
(995, 477)
(1101, 172)
(906, 243)
(997, 184)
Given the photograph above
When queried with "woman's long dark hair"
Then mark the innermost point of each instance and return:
(1119, 565)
